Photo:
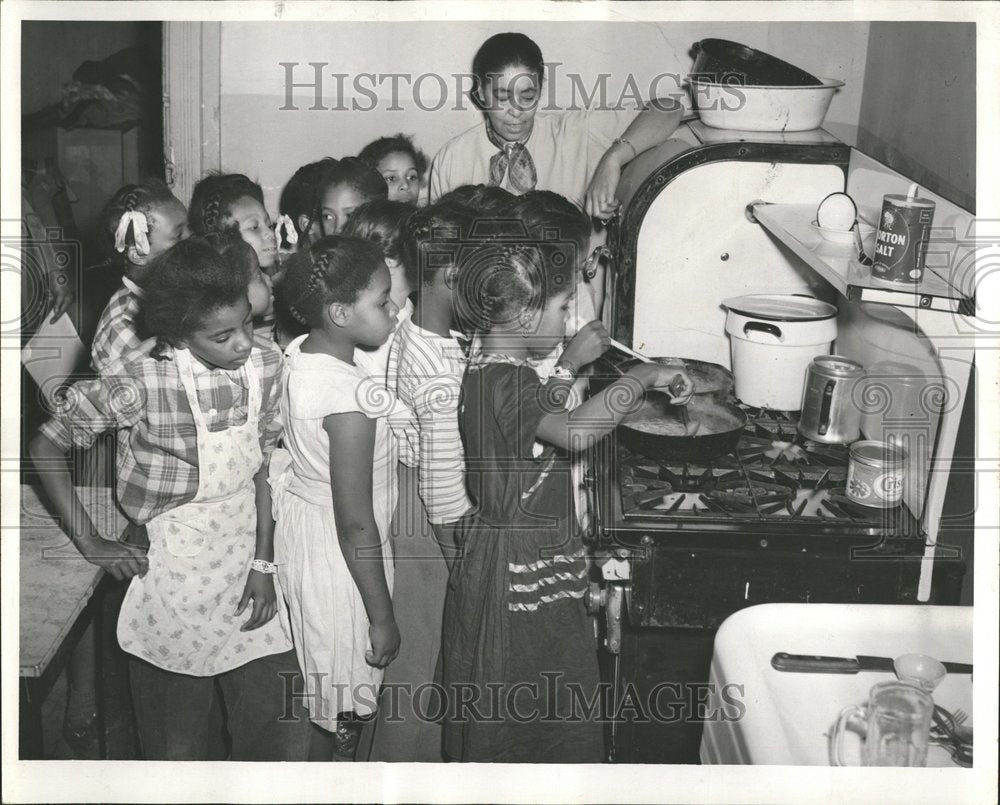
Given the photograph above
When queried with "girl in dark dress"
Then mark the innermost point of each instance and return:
(519, 656)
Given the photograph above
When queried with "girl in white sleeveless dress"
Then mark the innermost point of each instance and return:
(334, 487)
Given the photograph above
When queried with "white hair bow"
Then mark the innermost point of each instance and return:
(139, 230)
(285, 223)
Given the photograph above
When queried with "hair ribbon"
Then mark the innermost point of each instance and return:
(139, 230)
(285, 226)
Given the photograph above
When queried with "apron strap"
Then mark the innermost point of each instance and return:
(254, 387)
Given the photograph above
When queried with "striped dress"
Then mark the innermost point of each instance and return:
(519, 658)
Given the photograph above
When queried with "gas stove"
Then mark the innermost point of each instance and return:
(774, 479)
(690, 543)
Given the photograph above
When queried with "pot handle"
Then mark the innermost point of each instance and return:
(763, 327)
(824, 411)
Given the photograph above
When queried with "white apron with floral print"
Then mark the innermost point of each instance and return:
(179, 616)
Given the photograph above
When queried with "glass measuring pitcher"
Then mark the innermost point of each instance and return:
(896, 724)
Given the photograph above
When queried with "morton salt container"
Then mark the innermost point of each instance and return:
(875, 474)
(904, 227)
(774, 338)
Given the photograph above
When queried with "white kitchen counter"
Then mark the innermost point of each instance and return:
(789, 716)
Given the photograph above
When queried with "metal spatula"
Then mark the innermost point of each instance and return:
(676, 387)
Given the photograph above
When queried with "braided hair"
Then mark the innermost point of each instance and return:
(353, 173)
(187, 284)
(434, 238)
(298, 197)
(334, 269)
(530, 259)
(141, 197)
(555, 220)
(213, 197)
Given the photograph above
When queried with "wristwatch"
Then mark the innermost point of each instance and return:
(263, 566)
(563, 372)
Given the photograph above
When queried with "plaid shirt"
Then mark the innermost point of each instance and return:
(143, 399)
(116, 329)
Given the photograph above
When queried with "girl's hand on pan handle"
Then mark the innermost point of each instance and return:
(674, 381)
(679, 387)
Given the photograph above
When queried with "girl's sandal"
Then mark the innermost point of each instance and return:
(345, 741)
(83, 738)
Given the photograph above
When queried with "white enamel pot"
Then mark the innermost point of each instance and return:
(762, 108)
(774, 338)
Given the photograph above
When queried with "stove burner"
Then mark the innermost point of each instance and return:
(774, 474)
(786, 450)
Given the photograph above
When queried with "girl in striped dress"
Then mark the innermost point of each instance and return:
(519, 656)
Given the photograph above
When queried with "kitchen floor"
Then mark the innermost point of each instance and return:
(120, 741)
(119, 731)
(54, 747)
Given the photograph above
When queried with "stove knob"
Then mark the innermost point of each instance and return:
(595, 598)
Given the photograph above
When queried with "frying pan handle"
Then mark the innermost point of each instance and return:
(763, 327)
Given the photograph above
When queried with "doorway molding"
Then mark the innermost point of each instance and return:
(192, 86)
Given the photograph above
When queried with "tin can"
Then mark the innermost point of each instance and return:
(904, 228)
(875, 474)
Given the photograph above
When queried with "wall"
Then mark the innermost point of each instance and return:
(918, 111)
(268, 143)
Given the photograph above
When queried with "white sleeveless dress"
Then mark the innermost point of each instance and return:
(328, 618)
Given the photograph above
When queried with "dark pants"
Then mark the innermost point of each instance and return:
(178, 718)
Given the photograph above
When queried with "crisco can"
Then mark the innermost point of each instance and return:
(904, 227)
(875, 474)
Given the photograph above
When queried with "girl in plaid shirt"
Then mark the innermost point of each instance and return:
(141, 222)
(195, 408)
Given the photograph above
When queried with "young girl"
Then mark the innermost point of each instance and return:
(221, 200)
(548, 216)
(298, 200)
(334, 489)
(343, 186)
(230, 244)
(426, 364)
(195, 407)
(381, 222)
(519, 656)
(140, 222)
(400, 164)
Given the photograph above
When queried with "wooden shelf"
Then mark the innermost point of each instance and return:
(837, 263)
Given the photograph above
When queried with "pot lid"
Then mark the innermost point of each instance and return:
(780, 307)
(838, 365)
(878, 453)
